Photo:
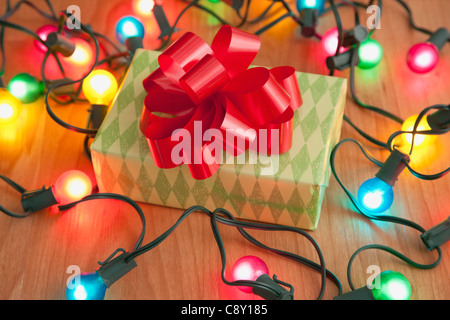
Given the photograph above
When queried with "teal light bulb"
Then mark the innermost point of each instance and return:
(375, 195)
(89, 287)
(391, 285)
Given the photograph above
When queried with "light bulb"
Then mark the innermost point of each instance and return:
(370, 54)
(391, 285)
(248, 268)
(387, 285)
(72, 186)
(10, 106)
(420, 140)
(43, 32)
(100, 87)
(311, 4)
(25, 87)
(83, 54)
(129, 27)
(143, 7)
(375, 195)
(422, 57)
(330, 41)
(90, 286)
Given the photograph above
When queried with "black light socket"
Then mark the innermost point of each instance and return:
(342, 61)
(36, 200)
(439, 119)
(363, 293)
(98, 114)
(393, 166)
(272, 290)
(161, 19)
(309, 18)
(114, 269)
(354, 36)
(134, 43)
(56, 42)
(439, 37)
(437, 235)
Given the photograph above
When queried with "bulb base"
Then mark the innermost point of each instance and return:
(363, 293)
(37, 200)
(271, 289)
(437, 235)
(56, 42)
(98, 114)
(134, 43)
(341, 61)
(161, 19)
(309, 17)
(394, 165)
(356, 35)
(112, 270)
(439, 38)
(439, 119)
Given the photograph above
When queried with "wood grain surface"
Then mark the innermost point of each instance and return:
(35, 252)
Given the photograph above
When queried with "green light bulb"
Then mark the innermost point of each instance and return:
(391, 285)
(370, 54)
(25, 87)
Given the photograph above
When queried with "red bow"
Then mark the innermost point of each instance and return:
(209, 89)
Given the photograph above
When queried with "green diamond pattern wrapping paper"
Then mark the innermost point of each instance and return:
(293, 195)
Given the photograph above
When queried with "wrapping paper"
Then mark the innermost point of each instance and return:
(285, 189)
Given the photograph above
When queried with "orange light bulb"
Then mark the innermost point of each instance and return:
(420, 140)
(72, 186)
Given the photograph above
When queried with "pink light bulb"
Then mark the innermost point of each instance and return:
(43, 32)
(248, 268)
(330, 41)
(422, 57)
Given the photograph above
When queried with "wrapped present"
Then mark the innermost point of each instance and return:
(281, 180)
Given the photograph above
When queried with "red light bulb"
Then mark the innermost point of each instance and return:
(248, 268)
(422, 57)
(330, 41)
(71, 186)
(43, 32)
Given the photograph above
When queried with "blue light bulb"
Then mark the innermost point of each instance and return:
(311, 4)
(128, 27)
(375, 196)
(90, 287)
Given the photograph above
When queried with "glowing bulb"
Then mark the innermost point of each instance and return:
(311, 4)
(129, 27)
(375, 195)
(83, 53)
(90, 286)
(420, 140)
(100, 87)
(248, 268)
(330, 41)
(422, 57)
(25, 87)
(10, 106)
(71, 186)
(391, 285)
(43, 32)
(143, 7)
(370, 54)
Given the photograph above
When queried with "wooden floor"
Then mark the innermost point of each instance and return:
(35, 252)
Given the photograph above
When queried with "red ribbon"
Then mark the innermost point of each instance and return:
(212, 86)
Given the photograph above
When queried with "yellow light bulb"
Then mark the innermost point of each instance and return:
(10, 106)
(100, 87)
(420, 140)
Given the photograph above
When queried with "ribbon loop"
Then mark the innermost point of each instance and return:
(203, 100)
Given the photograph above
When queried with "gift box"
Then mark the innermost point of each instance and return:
(290, 193)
